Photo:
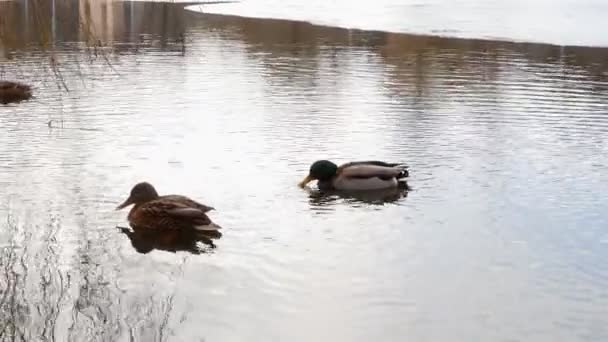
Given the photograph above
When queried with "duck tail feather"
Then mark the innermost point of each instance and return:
(403, 174)
(208, 227)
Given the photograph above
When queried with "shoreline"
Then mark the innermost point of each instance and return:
(405, 36)
(497, 39)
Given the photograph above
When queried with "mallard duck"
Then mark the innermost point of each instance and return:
(362, 175)
(14, 92)
(170, 212)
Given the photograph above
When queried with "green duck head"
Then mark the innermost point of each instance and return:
(321, 170)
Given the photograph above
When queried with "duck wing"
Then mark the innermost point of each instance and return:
(168, 214)
(372, 169)
(187, 202)
(376, 163)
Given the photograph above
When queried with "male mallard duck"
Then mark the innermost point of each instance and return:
(154, 212)
(363, 175)
(14, 92)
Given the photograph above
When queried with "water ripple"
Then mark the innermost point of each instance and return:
(506, 145)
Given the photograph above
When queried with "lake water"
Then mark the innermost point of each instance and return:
(503, 237)
(561, 22)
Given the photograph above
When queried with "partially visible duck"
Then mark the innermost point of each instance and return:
(170, 212)
(14, 92)
(361, 175)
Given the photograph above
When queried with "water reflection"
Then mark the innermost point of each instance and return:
(34, 285)
(92, 23)
(101, 30)
(170, 241)
(292, 38)
(506, 144)
(560, 22)
(324, 198)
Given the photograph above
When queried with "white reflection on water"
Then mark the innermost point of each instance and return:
(562, 22)
(502, 236)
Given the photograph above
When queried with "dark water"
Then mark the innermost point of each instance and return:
(503, 238)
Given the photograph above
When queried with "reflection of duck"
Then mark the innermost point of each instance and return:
(14, 92)
(171, 241)
(373, 197)
(165, 213)
(363, 175)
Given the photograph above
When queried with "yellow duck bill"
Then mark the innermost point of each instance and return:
(305, 181)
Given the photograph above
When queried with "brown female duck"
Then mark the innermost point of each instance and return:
(14, 92)
(170, 212)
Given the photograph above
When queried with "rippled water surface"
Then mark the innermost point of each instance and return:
(503, 236)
